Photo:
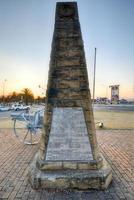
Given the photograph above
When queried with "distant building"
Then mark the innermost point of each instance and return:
(123, 101)
(102, 100)
(114, 93)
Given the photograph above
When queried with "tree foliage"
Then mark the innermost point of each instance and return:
(25, 96)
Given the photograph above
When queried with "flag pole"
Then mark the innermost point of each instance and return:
(94, 76)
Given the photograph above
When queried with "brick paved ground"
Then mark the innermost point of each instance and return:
(116, 145)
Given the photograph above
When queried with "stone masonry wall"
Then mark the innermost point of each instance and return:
(68, 80)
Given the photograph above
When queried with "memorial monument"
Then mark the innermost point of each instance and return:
(68, 155)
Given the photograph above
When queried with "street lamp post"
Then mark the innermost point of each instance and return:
(4, 84)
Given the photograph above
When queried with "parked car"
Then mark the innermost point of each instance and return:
(20, 107)
(4, 108)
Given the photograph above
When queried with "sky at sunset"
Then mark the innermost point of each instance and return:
(26, 29)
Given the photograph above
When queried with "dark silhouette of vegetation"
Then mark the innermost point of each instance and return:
(26, 96)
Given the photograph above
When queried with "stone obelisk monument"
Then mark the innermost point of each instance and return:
(68, 155)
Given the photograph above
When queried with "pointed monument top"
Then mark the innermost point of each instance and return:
(66, 10)
(67, 2)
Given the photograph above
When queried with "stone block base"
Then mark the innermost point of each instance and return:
(71, 179)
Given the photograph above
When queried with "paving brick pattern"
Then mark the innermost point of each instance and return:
(116, 145)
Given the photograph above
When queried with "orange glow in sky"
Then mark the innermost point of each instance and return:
(26, 36)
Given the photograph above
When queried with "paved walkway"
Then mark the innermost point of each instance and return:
(116, 145)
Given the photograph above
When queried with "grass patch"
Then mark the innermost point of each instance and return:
(115, 120)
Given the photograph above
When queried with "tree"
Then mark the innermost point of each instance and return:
(14, 97)
(28, 96)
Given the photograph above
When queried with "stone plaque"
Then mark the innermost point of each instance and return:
(68, 138)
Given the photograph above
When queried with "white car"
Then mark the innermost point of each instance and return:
(4, 108)
(20, 107)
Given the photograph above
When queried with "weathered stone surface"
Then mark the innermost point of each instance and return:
(69, 165)
(68, 62)
(77, 179)
(85, 166)
(68, 138)
(51, 166)
(64, 84)
(69, 53)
